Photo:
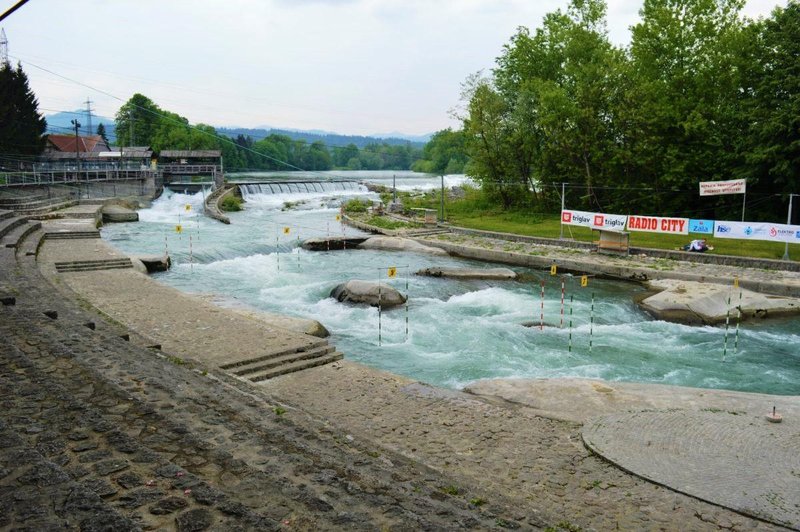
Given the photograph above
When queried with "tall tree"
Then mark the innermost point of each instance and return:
(772, 148)
(137, 121)
(21, 124)
(101, 130)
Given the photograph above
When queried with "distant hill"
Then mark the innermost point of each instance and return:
(327, 138)
(62, 123)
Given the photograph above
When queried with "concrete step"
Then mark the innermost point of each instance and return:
(48, 210)
(70, 235)
(14, 238)
(6, 201)
(275, 354)
(5, 214)
(93, 265)
(283, 360)
(29, 246)
(9, 224)
(296, 366)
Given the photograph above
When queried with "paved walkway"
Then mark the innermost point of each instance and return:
(739, 461)
(494, 455)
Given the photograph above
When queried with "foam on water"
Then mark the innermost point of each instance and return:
(459, 330)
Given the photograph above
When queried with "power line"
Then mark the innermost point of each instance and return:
(12, 9)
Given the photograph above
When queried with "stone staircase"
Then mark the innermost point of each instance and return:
(93, 265)
(71, 235)
(14, 229)
(283, 362)
(36, 203)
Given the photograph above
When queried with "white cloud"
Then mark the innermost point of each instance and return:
(353, 66)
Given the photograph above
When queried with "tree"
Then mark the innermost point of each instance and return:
(138, 121)
(101, 130)
(21, 125)
(772, 148)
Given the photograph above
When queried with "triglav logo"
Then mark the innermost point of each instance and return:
(566, 217)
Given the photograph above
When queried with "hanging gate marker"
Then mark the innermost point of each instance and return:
(570, 324)
(727, 324)
(407, 298)
(738, 319)
(591, 324)
(379, 307)
(541, 314)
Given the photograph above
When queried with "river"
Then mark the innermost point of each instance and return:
(458, 331)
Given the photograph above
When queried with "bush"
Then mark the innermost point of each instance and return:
(355, 205)
(231, 204)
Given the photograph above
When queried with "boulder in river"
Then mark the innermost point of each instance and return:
(332, 242)
(367, 292)
(495, 274)
(392, 243)
(695, 303)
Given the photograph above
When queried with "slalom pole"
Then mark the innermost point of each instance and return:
(277, 253)
(541, 314)
(191, 259)
(328, 236)
(738, 320)
(298, 249)
(561, 325)
(591, 324)
(570, 323)
(379, 307)
(407, 298)
(166, 246)
(727, 324)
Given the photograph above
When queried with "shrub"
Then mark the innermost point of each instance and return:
(231, 204)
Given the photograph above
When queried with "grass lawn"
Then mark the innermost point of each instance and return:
(475, 213)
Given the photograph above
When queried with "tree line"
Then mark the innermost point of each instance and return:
(700, 94)
(140, 122)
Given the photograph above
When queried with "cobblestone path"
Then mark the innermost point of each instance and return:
(97, 433)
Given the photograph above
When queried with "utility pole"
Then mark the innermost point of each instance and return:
(77, 149)
(89, 110)
(788, 222)
(3, 47)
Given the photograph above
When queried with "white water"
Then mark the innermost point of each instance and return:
(459, 331)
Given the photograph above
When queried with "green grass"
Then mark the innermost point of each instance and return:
(231, 204)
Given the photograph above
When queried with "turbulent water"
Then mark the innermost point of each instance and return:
(458, 331)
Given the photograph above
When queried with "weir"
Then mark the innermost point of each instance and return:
(296, 186)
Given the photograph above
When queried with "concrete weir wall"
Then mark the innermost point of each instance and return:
(726, 260)
(587, 266)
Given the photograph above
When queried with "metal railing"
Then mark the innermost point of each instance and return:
(71, 176)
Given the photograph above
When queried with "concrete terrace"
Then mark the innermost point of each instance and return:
(99, 428)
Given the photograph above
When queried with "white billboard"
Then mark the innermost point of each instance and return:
(718, 188)
(594, 220)
(758, 231)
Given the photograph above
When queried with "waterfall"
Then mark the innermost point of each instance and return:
(300, 187)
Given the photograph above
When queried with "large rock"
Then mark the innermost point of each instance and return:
(154, 263)
(391, 243)
(367, 292)
(332, 242)
(118, 213)
(695, 303)
(497, 274)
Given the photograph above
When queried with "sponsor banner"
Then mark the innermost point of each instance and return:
(717, 188)
(705, 227)
(595, 220)
(758, 231)
(657, 224)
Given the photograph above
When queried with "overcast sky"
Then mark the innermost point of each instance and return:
(349, 66)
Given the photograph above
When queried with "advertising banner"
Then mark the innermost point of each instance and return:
(657, 224)
(595, 220)
(705, 227)
(717, 188)
(758, 231)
